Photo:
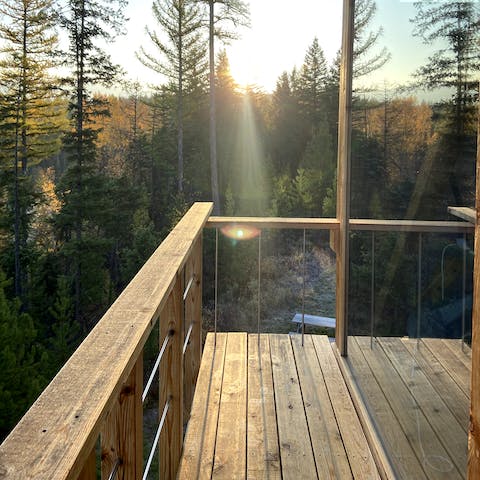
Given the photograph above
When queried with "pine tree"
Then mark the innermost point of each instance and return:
(313, 79)
(30, 119)
(20, 379)
(87, 23)
(180, 59)
(455, 66)
(366, 59)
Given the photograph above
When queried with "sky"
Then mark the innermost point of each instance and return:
(280, 33)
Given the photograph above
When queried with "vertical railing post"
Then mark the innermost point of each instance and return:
(122, 433)
(343, 176)
(372, 293)
(171, 381)
(193, 318)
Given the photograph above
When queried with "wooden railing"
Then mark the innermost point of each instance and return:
(98, 392)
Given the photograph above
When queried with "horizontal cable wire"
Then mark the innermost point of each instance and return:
(190, 282)
(187, 338)
(155, 441)
(155, 367)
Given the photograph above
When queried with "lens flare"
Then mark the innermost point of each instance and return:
(240, 232)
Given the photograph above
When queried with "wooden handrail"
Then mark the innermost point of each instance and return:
(56, 437)
(424, 226)
(359, 224)
(275, 222)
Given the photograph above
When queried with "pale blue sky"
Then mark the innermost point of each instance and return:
(280, 33)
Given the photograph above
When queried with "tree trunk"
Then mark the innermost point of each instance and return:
(213, 123)
(180, 104)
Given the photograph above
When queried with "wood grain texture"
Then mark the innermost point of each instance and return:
(199, 446)
(193, 316)
(296, 453)
(121, 435)
(343, 175)
(63, 424)
(263, 456)
(359, 455)
(329, 451)
(171, 382)
(231, 443)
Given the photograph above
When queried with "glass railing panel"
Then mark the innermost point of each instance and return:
(410, 303)
(267, 280)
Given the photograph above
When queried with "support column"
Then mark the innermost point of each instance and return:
(343, 175)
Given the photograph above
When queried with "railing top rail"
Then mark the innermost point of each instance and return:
(359, 224)
(54, 438)
(424, 226)
(276, 222)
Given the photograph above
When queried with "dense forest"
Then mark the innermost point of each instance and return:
(90, 182)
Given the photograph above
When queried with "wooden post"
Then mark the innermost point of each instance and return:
(343, 175)
(474, 433)
(121, 435)
(171, 382)
(193, 316)
(89, 470)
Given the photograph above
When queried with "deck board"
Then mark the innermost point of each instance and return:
(420, 385)
(279, 411)
(328, 448)
(263, 456)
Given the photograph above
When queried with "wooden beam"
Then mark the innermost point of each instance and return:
(171, 382)
(343, 174)
(275, 222)
(121, 436)
(474, 434)
(371, 225)
(63, 425)
(465, 213)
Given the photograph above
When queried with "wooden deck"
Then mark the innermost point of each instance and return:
(418, 397)
(265, 407)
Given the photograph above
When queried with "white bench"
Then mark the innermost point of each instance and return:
(313, 320)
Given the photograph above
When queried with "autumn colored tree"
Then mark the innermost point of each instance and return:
(30, 112)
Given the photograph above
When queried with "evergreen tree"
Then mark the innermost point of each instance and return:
(288, 131)
(20, 377)
(87, 22)
(366, 59)
(313, 78)
(30, 119)
(455, 66)
(180, 59)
